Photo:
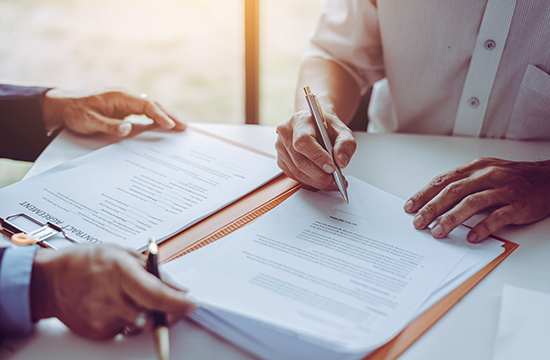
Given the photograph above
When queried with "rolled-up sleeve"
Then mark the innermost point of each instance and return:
(15, 278)
(348, 34)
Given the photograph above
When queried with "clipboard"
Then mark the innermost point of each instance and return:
(28, 233)
(274, 193)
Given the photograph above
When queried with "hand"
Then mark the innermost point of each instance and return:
(98, 290)
(302, 157)
(514, 193)
(103, 111)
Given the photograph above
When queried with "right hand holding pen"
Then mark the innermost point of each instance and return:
(99, 290)
(303, 158)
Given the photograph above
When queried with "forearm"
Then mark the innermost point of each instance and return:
(336, 89)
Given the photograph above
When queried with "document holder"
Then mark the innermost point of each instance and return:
(274, 193)
(23, 229)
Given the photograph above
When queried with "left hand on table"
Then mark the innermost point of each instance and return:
(103, 112)
(515, 193)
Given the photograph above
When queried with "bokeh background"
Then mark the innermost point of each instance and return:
(186, 54)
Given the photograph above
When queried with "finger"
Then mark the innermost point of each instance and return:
(136, 324)
(138, 128)
(304, 142)
(420, 198)
(465, 209)
(127, 104)
(439, 182)
(107, 125)
(445, 199)
(181, 125)
(169, 281)
(153, 111)
(344, 145)
(148, 292)
(500, 217)
(316, 177)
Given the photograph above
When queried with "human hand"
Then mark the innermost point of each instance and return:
(302, 157)
(515, 193)
(103, 112)
(98, 290)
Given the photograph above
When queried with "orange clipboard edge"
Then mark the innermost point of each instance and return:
(230, 218)
(420, 325)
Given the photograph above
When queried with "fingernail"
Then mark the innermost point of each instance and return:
(124, 128)
(344, 159)
(328, 168)
(472, 237)
(437, 230)
(418, 221)
(409, 206)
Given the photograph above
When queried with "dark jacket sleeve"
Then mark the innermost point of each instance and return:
(2, 249)
(23, 134)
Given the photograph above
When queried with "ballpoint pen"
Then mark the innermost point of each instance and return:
(320, 121)
(160, 325)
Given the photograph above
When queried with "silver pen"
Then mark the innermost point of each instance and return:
(320, 121)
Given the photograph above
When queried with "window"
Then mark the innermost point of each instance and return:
(186, 54)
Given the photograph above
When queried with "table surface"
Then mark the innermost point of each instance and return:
(397, 163)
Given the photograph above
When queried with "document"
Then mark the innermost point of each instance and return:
(155, 184)
(318, 277)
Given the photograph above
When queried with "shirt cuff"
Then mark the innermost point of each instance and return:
(15, 280)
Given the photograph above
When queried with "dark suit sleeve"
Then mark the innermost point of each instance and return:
(1, 255)
(23, 134)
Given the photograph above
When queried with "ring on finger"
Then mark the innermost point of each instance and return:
(137, 326)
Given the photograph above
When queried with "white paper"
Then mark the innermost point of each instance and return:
(348, 277)
(524, 325)
(155, 184)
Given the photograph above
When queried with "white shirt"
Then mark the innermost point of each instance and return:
(468, 67)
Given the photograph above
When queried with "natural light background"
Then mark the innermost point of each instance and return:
(188, 55)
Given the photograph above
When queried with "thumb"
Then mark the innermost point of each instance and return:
(344, 146)
(110, 126)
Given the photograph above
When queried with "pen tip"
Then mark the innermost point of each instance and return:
(347, 200)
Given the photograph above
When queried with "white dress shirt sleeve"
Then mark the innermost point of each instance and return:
(348, 34)
(15, 278)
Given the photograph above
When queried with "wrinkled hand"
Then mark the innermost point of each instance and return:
(301, 156)
(103, 112)
(514, 193)
(98, 290)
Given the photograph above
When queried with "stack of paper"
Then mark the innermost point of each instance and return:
(318, 278)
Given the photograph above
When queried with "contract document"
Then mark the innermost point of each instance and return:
(155, 184)
(318, 278)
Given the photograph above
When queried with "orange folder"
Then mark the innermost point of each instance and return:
(274, 193)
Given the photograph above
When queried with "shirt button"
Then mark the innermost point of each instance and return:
(473, 102)
(490, 44)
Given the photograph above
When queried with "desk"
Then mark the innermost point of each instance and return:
(399, 164)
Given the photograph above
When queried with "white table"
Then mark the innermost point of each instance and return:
(399, 164)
